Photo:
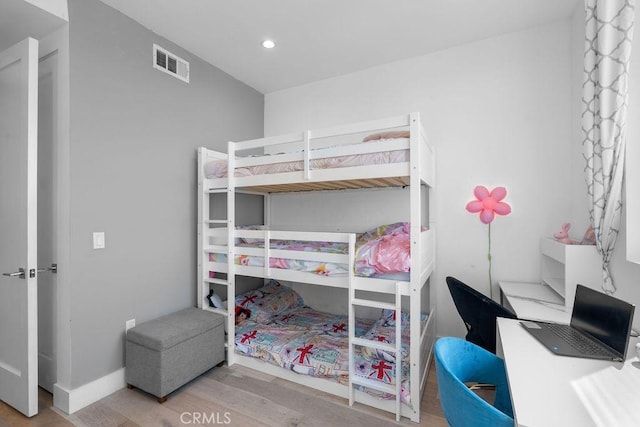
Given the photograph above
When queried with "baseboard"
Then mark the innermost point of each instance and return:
(70, 401)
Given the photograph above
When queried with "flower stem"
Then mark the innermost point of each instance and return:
(489, 258)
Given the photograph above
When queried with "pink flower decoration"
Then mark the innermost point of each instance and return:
(489, 204)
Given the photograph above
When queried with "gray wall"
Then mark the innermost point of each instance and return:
(134, 133)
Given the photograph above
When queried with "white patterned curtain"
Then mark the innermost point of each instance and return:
(609, 30)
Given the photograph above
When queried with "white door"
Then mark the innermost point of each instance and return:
(18, 226)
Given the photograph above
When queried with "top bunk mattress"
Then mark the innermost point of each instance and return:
(218, 168)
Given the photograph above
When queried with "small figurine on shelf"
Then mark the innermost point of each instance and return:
(562, 236)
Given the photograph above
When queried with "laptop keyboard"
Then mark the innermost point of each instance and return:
(577, 340)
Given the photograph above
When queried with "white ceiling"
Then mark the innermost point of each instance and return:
(20, 19)
(319, 39)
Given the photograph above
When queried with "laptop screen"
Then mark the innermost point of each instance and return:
(603, 317)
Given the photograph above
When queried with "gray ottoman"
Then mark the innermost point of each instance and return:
(166, 353)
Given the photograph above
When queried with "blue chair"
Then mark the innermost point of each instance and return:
(458, 362)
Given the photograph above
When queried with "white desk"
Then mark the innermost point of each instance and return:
(549, 390)
(534, 301)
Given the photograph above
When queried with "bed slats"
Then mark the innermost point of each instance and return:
(332, 185)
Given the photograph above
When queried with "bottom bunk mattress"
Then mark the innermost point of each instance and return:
(283, 331)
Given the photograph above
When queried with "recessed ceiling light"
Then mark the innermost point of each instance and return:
(268, 44)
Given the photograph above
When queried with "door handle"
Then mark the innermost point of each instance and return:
(53, 269)
(19, 274)
(22, 274)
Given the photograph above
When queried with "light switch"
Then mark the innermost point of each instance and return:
(98, 240)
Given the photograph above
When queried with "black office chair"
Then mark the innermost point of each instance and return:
(478, 313)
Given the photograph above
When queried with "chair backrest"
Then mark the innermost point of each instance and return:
(478, 313)
(459, 361)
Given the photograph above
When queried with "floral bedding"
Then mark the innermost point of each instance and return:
(218, 168)
(381, 251)
(385, 249)
(323, 268)
(298, 338)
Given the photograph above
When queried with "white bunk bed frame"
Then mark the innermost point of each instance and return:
(417, 171)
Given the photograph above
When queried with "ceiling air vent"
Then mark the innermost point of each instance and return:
(169, 63)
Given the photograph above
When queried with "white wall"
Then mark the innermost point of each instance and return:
(499, 113)
(579, 211)
(58, 8)
(632, 171)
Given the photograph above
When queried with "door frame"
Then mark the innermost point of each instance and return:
(58, 42)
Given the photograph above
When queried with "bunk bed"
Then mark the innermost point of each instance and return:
(392, 152)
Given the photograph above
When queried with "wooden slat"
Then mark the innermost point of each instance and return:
(332, 185)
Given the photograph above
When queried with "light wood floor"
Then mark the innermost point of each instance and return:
(235, 396)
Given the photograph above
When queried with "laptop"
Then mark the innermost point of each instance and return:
(599, 329)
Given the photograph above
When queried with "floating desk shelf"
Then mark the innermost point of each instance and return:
(565, 266)
(534, 301)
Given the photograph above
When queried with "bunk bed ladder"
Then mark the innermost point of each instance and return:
(205, 235)
(206, 232)
(395, 348)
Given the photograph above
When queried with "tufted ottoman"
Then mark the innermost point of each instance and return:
(166, 353)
